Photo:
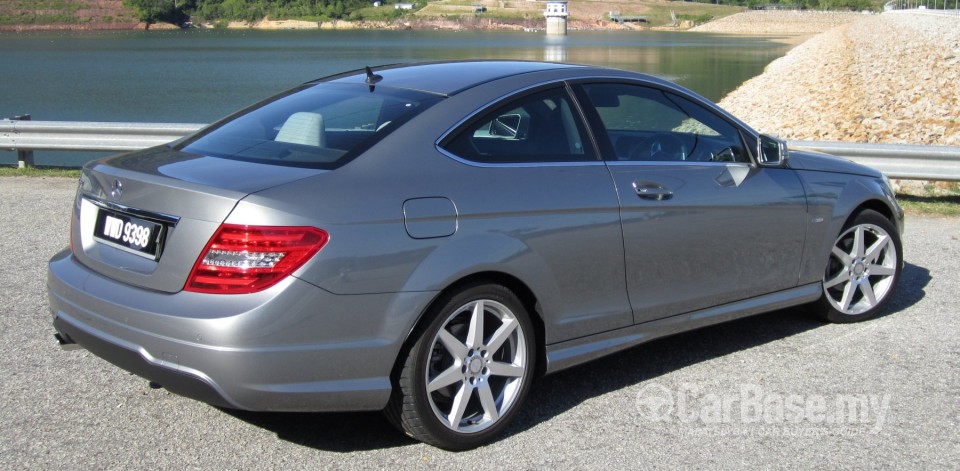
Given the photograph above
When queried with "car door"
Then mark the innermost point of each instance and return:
(538, 192)
(703, 225)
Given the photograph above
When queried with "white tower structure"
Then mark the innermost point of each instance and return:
(556, 14)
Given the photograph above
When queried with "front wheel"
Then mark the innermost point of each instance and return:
(863, 269)
(468, 372)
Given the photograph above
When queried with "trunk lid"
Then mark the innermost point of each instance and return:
(174, 199)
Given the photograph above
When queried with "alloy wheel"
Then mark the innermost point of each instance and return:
(475, 369)
(862, 269)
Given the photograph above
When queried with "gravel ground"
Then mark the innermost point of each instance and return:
(781, 375)
(890, 78)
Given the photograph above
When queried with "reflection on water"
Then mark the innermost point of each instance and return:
(199, 76)
(554, 53)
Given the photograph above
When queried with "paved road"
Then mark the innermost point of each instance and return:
(761, 392)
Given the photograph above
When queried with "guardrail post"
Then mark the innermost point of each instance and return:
(24, 157)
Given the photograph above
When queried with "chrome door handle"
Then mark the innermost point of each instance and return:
(652, 191)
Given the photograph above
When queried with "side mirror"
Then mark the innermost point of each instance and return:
(772, 151)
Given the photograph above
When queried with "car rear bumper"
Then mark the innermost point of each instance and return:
(293, 347)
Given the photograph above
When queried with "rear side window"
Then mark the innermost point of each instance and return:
(542, 127)
(322, 125)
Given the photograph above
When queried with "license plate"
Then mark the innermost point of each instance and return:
(129, 233)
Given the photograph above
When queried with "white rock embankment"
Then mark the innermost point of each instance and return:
(779, 22)
(891, 78)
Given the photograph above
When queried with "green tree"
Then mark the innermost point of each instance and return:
(153, 11)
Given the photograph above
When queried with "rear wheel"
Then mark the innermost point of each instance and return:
(468, 372)
(863, 269)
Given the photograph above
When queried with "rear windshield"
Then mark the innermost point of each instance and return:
(321, 125)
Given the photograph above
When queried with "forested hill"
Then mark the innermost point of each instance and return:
(68, 14)
(119, 14)
(175, 11)
(320, 10)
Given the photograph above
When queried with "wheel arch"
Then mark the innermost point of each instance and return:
(834, 200)
(871, 194)
(880, 206)
(512, 283)
(876, 205)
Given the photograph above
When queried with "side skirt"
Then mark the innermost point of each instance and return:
(574, 352)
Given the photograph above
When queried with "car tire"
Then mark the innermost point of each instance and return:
(468, 372)
(863, 269)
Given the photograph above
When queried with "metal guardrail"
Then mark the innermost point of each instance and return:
(924, 7)
(907, 162)
(901, 161)
(88, 136)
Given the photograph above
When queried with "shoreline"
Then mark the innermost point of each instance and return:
(748, 23)
(425, 24)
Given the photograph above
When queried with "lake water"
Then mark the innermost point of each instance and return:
(197, 76)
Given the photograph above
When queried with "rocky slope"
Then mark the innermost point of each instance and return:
(892, 78)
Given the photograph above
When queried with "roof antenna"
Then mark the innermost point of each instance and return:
(372, 78)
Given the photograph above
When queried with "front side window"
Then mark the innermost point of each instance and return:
(542, 127)
(647, 124)
(321, 125)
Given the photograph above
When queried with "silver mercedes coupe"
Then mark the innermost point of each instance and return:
(429, 239)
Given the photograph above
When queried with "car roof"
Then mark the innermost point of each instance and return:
(449, 78)
(446, 78)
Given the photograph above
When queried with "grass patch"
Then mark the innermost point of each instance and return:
(930, 205)
(695, 19)
(509, 14)
(465, 11)
(40, 172)
(381, 13)
(39, 19)
(658, 14)
(931, 198)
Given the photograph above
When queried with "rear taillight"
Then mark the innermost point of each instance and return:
(246, 259)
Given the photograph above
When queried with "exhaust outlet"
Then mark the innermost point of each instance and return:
(65, 342)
